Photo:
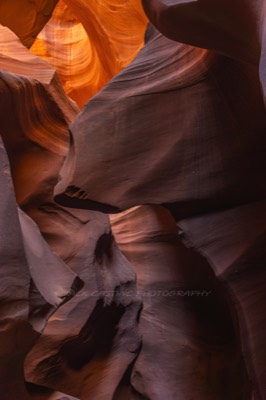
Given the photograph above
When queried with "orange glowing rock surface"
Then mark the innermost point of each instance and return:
(26, 18)
(89, 43)
(41, 109)
(43, 266)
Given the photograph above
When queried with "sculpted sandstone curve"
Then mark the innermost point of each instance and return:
(185, 323)
(236, 28)
(184, 127)
(35, 113)
(178, 112)
(179, 126)
(89, 43)
(26, 18)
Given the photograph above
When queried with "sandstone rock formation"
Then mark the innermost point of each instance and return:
(213, 121)
(188, 338)
(168, 303)
(35, 113)
(26, 18)
(235, 29)
(87, 55)
(34, 282)
(212, 124)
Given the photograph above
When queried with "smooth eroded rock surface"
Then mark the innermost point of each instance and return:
(26, 18)
(127, 149)
(87, 333)
(165, 298)
(89, 43)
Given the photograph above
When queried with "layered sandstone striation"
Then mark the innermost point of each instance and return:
(213, 121)
(188, 128)
(188, 339)
(235, 29)
(166, 301)
(89, 43)
(44, 317)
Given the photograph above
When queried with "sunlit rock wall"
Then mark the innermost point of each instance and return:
(90, 42)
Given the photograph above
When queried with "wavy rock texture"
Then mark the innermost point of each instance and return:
(213, 121)
(44, 123)
(231, 28)
(236, 29)
(35, 113)
(88, 43)
(188, 128)
(233, 242)
(116, 29)
(179, 127)
(26, 18)
(189, 343)
(34, 282)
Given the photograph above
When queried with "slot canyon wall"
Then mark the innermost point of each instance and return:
(133, 200)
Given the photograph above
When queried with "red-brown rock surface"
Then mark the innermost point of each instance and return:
(234, 28)
(26, 18)
(233, 242)
(35, 113)
(184, 127)
(89, 43)
(177, 127)
(213, 121)
(189, 347)
(229, 27)
(34, 282)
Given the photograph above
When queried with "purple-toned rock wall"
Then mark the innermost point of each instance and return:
(132, 228)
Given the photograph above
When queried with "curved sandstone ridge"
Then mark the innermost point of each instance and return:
(183, 127)
(229, 27)
(234, 28)
(65, 44)
(26, 18)
(45, 307)
(185, 322)
(34, 282)
(88, 43)
(233, 242)
(213, 121)
(116, 29)
(168, 304)
(42, 109)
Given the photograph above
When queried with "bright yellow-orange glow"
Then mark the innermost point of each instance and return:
(89, 43)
